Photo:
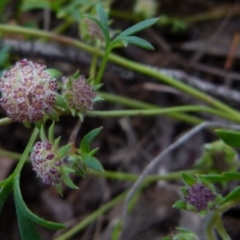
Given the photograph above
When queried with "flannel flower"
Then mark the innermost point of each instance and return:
(28, 91)
(78, 94)
(199, 196)
(46, 163)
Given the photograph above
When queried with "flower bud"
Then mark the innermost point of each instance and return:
(199, 196)
(28, 91)
(78, 93)
(46, 163)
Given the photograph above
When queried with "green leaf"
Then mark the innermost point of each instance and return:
(59, 189)
(26, 226)
(63, 151)
(56, 143)
(51, 132)
(104, 21)
(232, 196)
(67, 170)
(188, 179)
(26, 123)
(76, 74)
(136, 41)
(68, 181)
(138, 27)
(231, 138)
(94, 151)
(53, 115)
(81, 117)
(180, 204)
(4, 192)
(4, 52)
(87, 139)
(92, 162)
(42, 133)
(29, 5)
(97, 86)
(23, 210)
(224, 177)
(60, 101)
(54, 73)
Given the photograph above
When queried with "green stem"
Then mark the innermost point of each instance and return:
(210, 227)
(141, 68)
(102, 66)
(142, 105)
(220, 228)
(25, 154)
(92, 217)
(150, 179)
(92, 72)
(153, 112)
(117, 175)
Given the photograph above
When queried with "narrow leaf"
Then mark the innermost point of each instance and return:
(56, 143)
(54, 73)
(51, 132)
(137, 41)
(231, 138)
(228, 176)
(69, 182)
(102, 27)
(87, 139)
(92, 162)
(63, 151)
(60, 101)
(26, 226)
(180, 204)
(23, 210)
(232, 196)
(188, 179)
(53, 115)
(138, 27)
(42, 134)
(103, 17)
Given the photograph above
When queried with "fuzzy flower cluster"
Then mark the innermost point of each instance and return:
(46, 163)
(199, 196)
(78, 93)
(28, 91)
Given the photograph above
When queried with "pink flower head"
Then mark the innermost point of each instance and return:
(28, 91)
(46, 163)
(199, 196)
(78, 93)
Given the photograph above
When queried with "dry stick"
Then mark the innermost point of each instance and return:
(149, 169)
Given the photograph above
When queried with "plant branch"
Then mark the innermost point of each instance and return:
(152, 112)
(142, 105)
(153, 165)
(210, 227)
(116, 175)
(220, 228)
(141, 68)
